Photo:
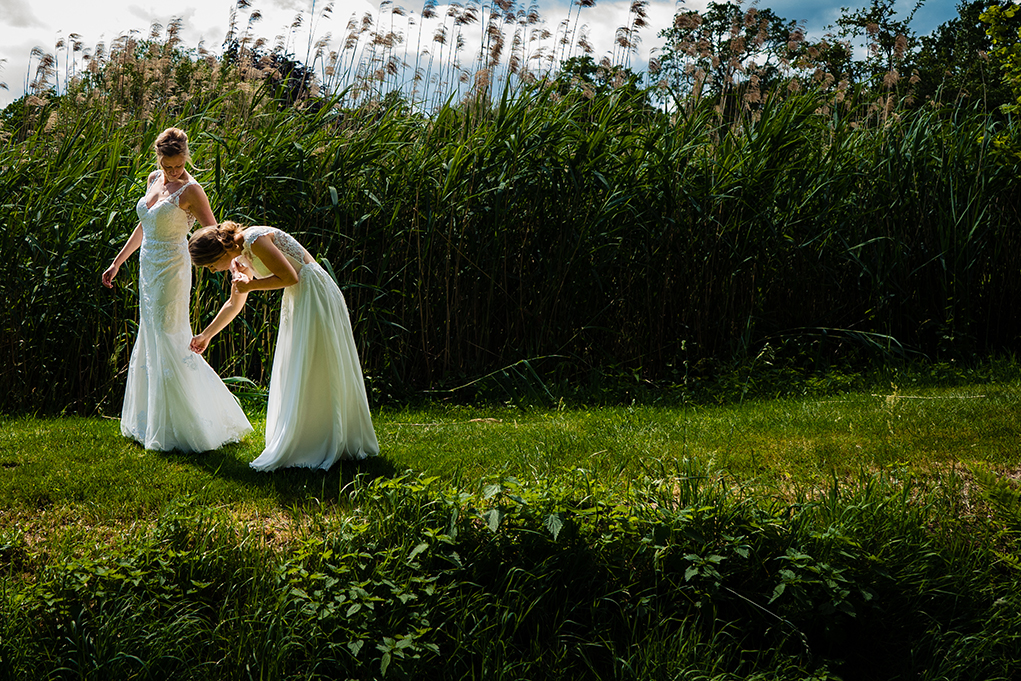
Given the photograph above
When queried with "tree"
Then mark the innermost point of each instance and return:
(888, 42)
(1004, 30)
(955, 61)
(584, 74)
(725, 50)
(584, 79)
(293, 81)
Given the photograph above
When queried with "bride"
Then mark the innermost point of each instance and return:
(173, 399)
(318, 411)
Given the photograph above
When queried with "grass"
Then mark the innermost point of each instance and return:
(84, 467)
(867, 534)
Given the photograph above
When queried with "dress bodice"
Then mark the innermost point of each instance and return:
(165, 220)
(287, 244)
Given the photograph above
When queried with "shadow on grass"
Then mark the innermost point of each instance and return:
(290, 486)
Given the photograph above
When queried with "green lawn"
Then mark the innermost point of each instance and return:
(82, 468)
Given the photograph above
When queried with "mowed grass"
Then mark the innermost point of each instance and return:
(62, 470)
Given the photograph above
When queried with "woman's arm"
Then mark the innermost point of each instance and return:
(132, 245)
(134, 242)
(225, 316)
(194, 200)
(283, 273)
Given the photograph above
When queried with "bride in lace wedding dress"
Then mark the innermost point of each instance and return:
(173, 398)
(318, 411)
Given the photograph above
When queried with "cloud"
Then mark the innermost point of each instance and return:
(603, 20)
(142, 13)
(18, 14)
(292, 6)
(15, 72)
(815, 16)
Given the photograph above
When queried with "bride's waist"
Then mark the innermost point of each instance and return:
(163, 242)
(157, 251)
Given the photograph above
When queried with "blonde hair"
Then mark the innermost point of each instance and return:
(208, 244)
(172, 142)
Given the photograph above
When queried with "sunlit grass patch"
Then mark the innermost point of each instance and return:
(86, 465)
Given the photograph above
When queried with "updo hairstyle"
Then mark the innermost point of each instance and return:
(208, 244)
(172, 142)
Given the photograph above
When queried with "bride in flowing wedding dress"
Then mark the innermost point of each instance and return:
(318, 410)
(173, 398)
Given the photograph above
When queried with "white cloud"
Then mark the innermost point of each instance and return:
(605, 18)
(19, 14)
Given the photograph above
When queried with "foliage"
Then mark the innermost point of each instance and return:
(1004, 30)
(954, 62)
(553, 579)
(565, 229)
(553, 234)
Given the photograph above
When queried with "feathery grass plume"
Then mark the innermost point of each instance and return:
(44, 71)
(582, 42)
(233, 21)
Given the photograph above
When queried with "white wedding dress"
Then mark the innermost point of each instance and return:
(173, 398)
(318, 411)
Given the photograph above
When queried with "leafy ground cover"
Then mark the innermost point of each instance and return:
(867, 534)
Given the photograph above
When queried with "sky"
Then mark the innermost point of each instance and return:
(29, 24)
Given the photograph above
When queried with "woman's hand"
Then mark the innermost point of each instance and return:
(239, 272)
(240, 278)
(133, 243)
(199, 343)
(109, 274)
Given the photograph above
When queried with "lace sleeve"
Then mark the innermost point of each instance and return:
(253, 233)
(284, 242)
(288, 245)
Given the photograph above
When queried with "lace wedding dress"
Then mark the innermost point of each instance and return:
(318, 411)
(173, 398)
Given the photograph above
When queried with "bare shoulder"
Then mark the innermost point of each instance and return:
(193, 190)
(193, 195)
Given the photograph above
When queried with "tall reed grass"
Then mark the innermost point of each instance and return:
(578, 231)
